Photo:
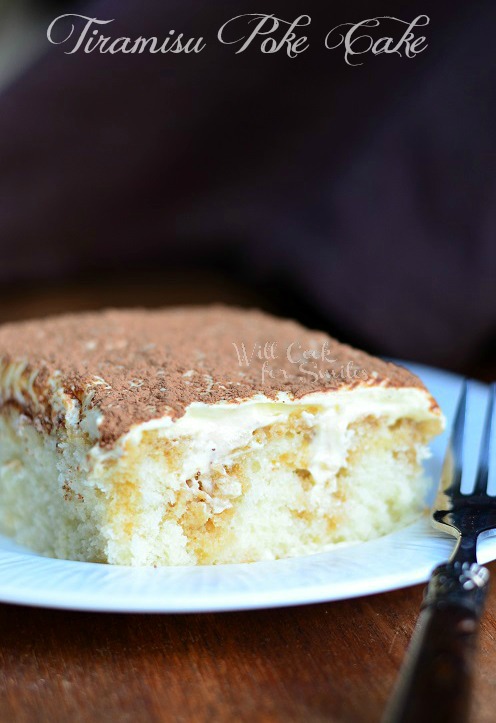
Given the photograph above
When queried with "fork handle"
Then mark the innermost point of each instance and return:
(435, 680)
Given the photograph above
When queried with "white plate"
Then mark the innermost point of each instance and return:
(403, 558)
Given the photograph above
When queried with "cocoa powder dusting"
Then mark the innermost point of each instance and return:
(144, 364)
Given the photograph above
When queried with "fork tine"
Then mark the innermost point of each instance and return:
(483, 469)
(456, 440)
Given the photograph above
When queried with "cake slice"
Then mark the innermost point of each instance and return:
(202, 435)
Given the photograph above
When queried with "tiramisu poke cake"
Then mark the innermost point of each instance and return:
(202, 435)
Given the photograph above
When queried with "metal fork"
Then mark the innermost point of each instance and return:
(435, 680)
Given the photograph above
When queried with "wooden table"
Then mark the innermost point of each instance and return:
(330, 662)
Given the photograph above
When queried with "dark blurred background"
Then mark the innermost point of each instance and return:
(361, 200)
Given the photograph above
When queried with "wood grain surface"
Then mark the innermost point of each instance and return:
(332, 662)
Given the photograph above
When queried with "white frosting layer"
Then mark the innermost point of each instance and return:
(215, 432)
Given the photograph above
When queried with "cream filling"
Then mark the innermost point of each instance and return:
(216, 431)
